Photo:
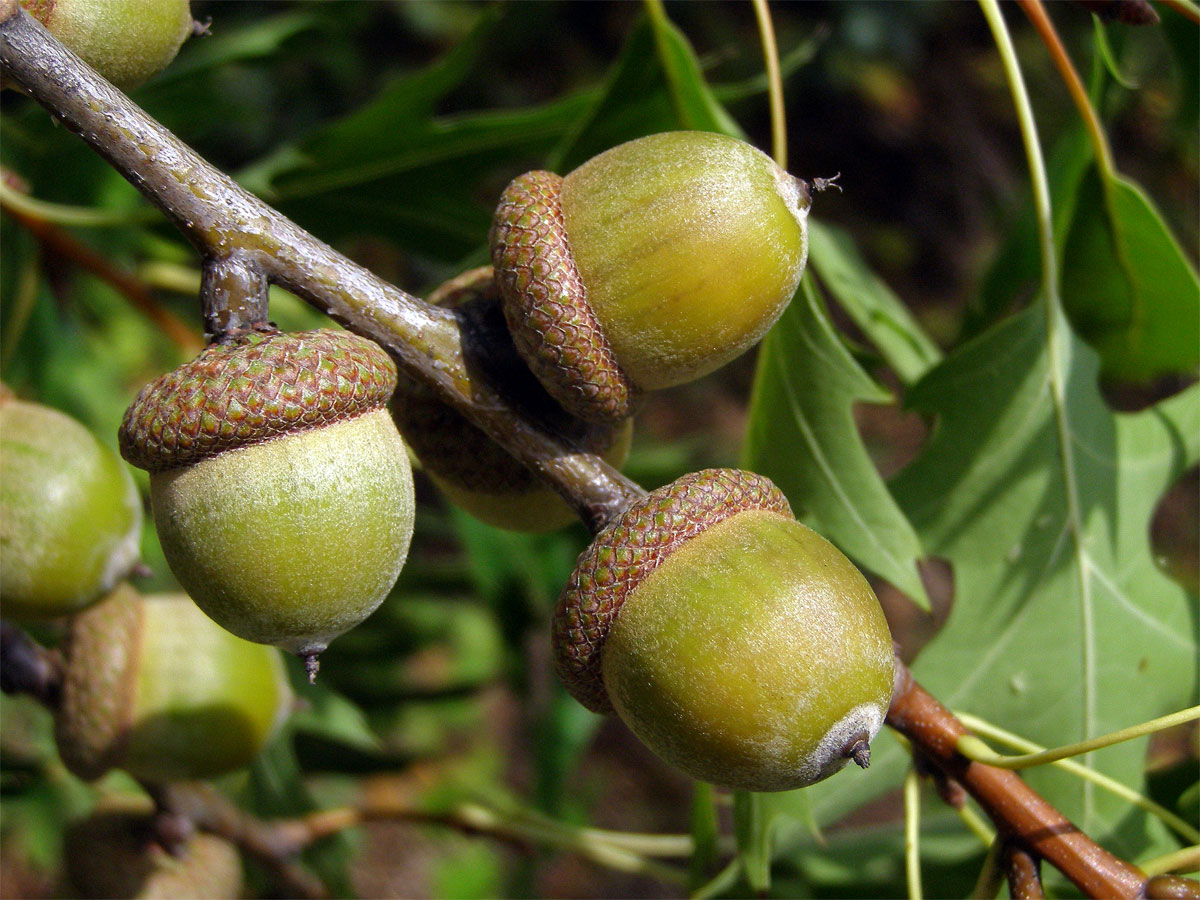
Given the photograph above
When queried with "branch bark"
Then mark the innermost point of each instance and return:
(244, 244)
(225, 222)
(1024, 874)
(1022, 816)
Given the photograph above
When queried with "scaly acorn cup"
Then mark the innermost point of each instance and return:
(126, 41)
(650, 265)
(735, 642)
(477, 475)
(153, 686)
(281, 490)
(469, 468)
(70, 514)
(112, 853)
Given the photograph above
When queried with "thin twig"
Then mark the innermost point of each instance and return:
(1186, 830)
(1185, 8)
(976, 749)
(1019, 812)
(1036, 14)
(56, 241)
(991, 876)
(221, 219)
(766, 29)
(1185, 860)
(1024, 874)
(208, 810)
(912, 834)
(276, 843)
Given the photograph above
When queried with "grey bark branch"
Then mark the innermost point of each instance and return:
(225, 222)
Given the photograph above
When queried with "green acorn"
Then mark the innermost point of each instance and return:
(112, 854)
(126, 41)
(155, 687)
(650, 265)
(737, 643)
(469, 468)
(70, 514)
(281, 490)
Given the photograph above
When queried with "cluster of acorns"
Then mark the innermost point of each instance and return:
(737, 643)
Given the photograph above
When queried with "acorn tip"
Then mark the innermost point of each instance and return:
(861, 754)
(312, 664)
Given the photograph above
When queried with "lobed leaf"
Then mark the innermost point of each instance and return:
(1063, 627)
(802, 435)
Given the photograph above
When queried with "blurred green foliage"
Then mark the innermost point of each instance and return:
(388, 128)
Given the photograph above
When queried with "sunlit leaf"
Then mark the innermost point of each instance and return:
(802, 435)
(1063, 626)
(875, 309)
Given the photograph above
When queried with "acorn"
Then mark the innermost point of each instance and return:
(113, 854)
(153, 686)
(126, 41)
(650, 265)
(735, 642)
(70, 514)
(468, 467)
(281, 491)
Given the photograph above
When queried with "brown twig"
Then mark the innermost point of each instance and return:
(1020, 814)
(1036, 13)
(62, 243)
(276, 843)
(223, 220)
(1187, 10)
(1024, 874)
(274, 849)
(1172, 887)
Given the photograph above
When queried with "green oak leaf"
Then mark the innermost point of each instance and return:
(873, 306)
(802, 435)
(394, 167)
(1063, 626)
(656, 84)
(1127, 285)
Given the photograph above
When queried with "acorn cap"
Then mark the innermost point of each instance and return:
(251, 390)
(113, 853)
(474, 472)
(549, 317)
(632, 547)
(153, 686)
(91, 725)
(650, 265)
